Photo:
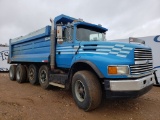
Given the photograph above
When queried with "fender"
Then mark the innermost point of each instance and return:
(93, 66)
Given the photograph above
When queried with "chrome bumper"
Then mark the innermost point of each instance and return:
(131, 85)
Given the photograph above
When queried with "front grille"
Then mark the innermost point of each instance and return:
(143, 61)
(142, 54)
(141, 68)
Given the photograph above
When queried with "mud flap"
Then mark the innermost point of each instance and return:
(156, 80)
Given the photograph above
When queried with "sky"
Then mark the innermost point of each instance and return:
(122, 18)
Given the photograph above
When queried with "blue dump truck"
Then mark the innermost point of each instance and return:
(73, 54)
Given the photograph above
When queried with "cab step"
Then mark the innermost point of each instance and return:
(57, 84)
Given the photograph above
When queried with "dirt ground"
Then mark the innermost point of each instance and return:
(28, 102)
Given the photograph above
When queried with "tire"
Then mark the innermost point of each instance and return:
(33, 74)
(12, 72)
(21, 74)
(44, 77)
(26, 68)
(86, 90)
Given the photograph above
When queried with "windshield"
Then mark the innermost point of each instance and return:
(86, 33)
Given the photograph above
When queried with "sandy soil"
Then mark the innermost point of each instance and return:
(28, 102)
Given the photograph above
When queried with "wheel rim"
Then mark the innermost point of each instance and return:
(43, 76)
(80, 91)
(31, 74)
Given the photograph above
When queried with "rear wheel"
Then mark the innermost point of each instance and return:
(21, 74)
(12, 72)
(26, 68)
(33, 74)
(44, 77)
(86, 90)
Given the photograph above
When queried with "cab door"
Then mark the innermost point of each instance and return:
(65, 51)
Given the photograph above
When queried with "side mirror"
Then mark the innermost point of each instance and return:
(59, 34)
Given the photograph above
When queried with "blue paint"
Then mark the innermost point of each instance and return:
(45, 34)
(156, 67)
(100, 53)
(156, 38)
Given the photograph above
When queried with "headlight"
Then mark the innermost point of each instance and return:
(118, 70)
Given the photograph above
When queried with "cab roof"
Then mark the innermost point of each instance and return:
(67, 19)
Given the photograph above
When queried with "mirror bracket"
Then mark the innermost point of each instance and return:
(59, 34)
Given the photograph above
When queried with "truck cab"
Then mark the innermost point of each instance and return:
(73, 35)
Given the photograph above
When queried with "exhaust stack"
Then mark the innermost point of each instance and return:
(52, 46)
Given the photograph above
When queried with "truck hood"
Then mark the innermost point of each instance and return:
(112, 44)
(110, 51)
(103, 54)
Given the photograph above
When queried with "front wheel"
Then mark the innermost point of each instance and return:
(86, 90)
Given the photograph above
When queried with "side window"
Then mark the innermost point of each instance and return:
(68, 34)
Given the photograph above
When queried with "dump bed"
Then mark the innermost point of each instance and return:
(34, 47)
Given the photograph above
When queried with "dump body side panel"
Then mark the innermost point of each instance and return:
(34, 47)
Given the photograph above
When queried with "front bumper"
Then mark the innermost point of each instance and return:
(128, 88)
